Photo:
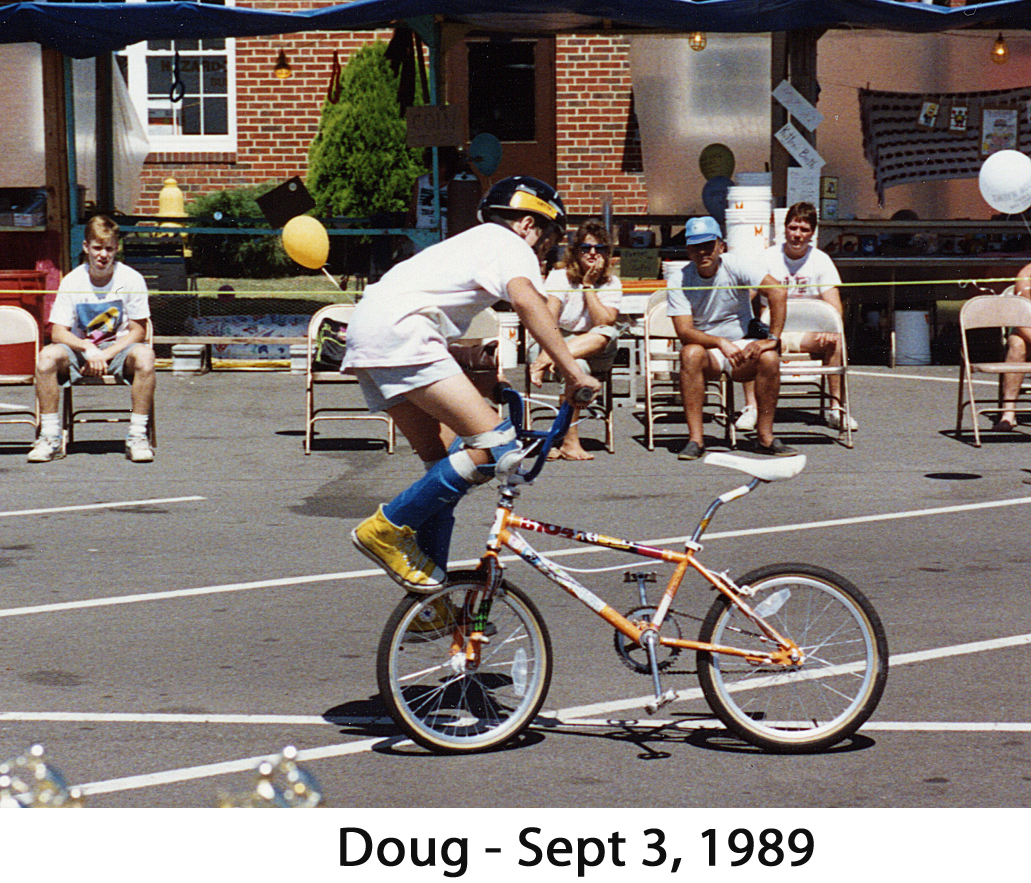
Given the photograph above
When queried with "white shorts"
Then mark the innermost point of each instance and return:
(721, 360)
(385, 387)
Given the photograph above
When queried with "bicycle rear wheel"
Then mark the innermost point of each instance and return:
(440, 698)
(801, 708)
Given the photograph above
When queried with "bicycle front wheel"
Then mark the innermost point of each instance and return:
(451, 696)
(807, 707)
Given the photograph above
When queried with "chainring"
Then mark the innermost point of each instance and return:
(634, 656)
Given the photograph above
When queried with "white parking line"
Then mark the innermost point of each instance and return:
(587, 715)
(88, 506)
(595, 715)
(559, 553)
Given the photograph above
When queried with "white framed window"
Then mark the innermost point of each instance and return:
(184, 91)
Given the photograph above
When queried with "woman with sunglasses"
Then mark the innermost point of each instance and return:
(584, 298)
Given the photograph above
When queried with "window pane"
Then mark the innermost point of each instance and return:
(159, 45)
(189, 73)
(187, 45)
(160, 119)
(213, 43)
(189, 114)
(159, 74)
(215, 82)
(501, 90)
(216, 116)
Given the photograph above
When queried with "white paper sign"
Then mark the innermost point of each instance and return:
(801, 150)
(803, 185)
(795, 104)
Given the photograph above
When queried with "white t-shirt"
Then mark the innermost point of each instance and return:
(574, 315)
(100, 315)
(429, 299)
(808, 276)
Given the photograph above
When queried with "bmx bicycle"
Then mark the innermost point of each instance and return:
(790, 657)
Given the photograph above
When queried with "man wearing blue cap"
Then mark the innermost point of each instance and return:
(711, 309)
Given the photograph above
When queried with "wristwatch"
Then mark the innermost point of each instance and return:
(779, 345)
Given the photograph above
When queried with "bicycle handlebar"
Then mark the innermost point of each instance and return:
(548, 438)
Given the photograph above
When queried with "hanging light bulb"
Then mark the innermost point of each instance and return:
(282, 68)
(696, 40)
(1000, 51)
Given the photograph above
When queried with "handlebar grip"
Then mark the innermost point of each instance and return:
(583, 396)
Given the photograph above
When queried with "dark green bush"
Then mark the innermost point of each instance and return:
(234, 255)
(359, 164)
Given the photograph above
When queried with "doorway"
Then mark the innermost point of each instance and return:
(506, 87)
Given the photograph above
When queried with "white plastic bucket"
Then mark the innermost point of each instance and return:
(777, 234)
(755, 198)
(912, 337)
(747, 229)
(509, 323)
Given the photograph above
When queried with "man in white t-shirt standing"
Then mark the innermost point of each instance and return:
(98, 326)
(807, 272)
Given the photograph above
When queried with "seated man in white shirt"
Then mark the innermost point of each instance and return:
(806, 272)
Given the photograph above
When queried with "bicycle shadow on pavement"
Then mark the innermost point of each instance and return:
(654, 741)
(370, 718)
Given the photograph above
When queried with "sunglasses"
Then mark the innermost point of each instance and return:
(591, 246)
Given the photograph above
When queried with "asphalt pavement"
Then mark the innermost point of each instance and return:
(168, 625)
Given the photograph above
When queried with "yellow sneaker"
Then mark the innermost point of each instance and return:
(395, 549)
(435, 620)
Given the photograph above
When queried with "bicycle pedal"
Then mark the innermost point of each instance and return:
(659, 701)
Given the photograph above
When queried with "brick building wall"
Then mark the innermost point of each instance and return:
(599, 148)
(598, 151)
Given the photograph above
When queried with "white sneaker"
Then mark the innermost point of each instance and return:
(47, 448)
(836, 420)
(746, 422)
(138, 449)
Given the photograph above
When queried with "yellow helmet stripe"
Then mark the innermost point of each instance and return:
(523, 200)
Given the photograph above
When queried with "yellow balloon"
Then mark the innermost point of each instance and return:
(716, 160)
(306, 241)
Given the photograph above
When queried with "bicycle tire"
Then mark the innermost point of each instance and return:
(806, 708)
(433, 698)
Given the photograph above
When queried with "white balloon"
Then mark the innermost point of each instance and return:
(1005, 181)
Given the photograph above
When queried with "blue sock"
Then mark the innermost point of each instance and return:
(441, 486)
(434, 537)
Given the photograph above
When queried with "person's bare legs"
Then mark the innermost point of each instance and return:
(1016, 351)
(697, 367)
(139, 363)
(767, 389)
(52, 360)
(581, 346)
(828, 347)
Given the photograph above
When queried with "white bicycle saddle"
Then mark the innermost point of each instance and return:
(767, 469)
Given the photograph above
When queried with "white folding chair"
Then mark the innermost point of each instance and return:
(662, 376)
(315, 377)
(19, 347)
(1002, 311)
(72, 415)
(804, 370)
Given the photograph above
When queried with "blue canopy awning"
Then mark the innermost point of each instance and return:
(83, 30)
